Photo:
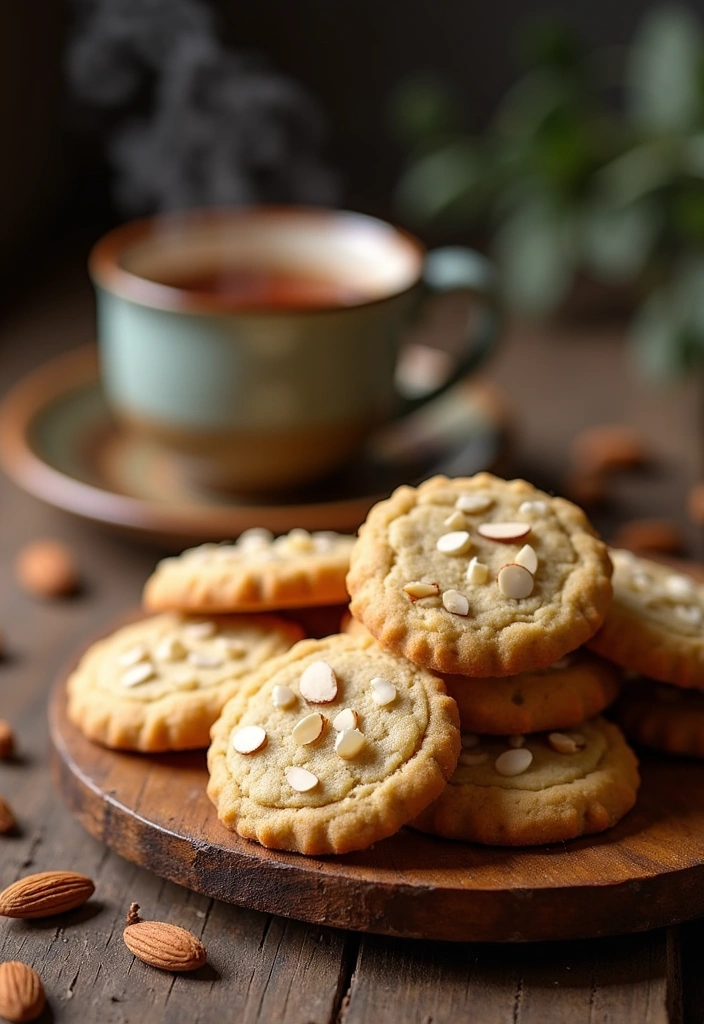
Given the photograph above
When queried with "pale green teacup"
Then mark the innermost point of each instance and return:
(260, 345)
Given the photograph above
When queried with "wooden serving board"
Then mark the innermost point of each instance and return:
(645, 873)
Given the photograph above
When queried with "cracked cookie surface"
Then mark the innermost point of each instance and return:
(654, 624)
(578, 686)
(479, 576)
(537, 793)
(259, 572)
(159, 684)
(332, 747)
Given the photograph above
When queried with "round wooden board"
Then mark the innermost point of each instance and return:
(645, 873)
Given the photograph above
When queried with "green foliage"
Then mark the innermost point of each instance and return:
(568, 180)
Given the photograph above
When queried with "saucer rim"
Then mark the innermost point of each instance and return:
(77, 369)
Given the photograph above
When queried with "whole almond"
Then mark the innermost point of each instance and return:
(45, 894)
(21, 992)
(47, 568)
(163, 945)
(7, 740)
(7, 818)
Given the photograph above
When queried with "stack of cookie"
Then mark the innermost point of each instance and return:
(459, 699)
(160, 683)
(653, 630)
(495, 586)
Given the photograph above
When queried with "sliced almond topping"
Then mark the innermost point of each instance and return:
(455, 543)
(141, 673)
(295, 542)
(680, 586)
(513, 762)
(283, 697)
(200, 630)
(201, 659)
(347, 719)
(505, 532)
(477, 572)
(232, 647)
(468, 759)
(474, 502)
(301, 779)
(171, 649)
(309, 728)
(533, 508)
(318, 683)
(640, 581)
(455, 602)
(249, 739)
(133, 656)
(515, 581)
(255, 537)
(527, 558)
(383, 691)
(349, 743)
(470, 740)
(691, 614)
(564, 744)
(562, 663)
(516, 742)
(455, 521)
(418, 590)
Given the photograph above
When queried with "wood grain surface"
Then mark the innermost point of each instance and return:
(265, 969)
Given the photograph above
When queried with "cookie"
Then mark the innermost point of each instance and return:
(663, 717)
(160, 683)
(554, 787)
(654, 624)
(259, 572)
(332, 747)
(578, 686)
(479, 576)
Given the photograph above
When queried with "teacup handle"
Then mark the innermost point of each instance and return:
(459, 269)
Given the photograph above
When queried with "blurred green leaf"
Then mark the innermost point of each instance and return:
(437, 183)
(535, 258)
(658, 337)
(668, 331)
(424, 109)
(639, 171)
(618, 241)
(687, 209)
(548, 42)
(692, 155)
(662, 70)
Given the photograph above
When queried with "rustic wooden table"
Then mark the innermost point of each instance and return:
(263, 968)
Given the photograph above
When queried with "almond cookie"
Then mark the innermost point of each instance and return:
(479, 576)
(663, 717)
(331, 747)
(654, 625)
(576, 687)
(536, 789)
(257, 573)
(160, 683)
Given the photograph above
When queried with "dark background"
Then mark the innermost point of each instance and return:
(349, 54)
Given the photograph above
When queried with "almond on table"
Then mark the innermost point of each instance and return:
(160, 944)
(45, 893)
(22, 996)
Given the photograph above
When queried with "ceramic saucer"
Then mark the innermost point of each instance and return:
(59, 442)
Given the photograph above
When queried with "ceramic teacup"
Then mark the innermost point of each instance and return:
(260, 344)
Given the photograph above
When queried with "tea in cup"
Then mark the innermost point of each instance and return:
(259, 345)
